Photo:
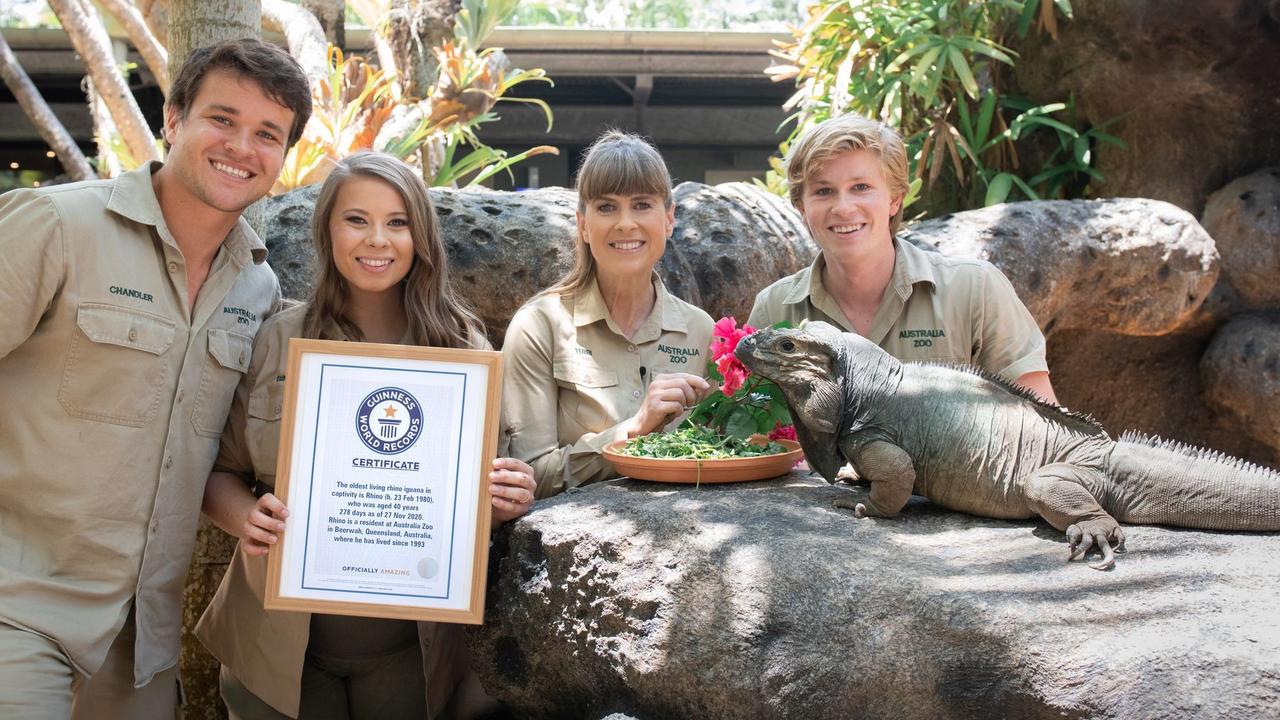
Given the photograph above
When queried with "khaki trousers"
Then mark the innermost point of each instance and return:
(37, 682)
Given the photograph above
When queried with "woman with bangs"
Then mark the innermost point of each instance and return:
(382, 277)
(606, 353)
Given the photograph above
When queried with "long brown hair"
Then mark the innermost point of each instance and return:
(438, 316)
(617, 163)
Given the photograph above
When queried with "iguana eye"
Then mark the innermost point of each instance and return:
(787, 346)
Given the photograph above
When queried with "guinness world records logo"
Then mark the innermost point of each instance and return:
(389, 421)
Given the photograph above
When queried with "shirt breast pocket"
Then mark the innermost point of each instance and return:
(115, 370)
(591, 391)
(229, 355)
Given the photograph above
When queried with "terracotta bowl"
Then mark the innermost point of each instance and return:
(705, 471)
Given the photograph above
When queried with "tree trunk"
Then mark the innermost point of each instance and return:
(194, 24)
(47, 124)
(105, 133)
(89, 37)
(198, 23)
(153, 53)
(156, 14)
(332, 17)
(417, 27)
(303, 34)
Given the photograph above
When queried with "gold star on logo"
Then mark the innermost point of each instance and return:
(390, 410)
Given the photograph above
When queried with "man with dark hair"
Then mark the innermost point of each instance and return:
(130, 307)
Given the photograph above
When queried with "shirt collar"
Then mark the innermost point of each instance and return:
(589, 307)
(134, 197)
(910, 266)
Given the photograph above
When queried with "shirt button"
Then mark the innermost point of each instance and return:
(180, 394)
(631, 348)
(279, 409)
(635, 393)
(133, 334)
(241, 358)
(168, 462)
(155, 526)
(173, 267)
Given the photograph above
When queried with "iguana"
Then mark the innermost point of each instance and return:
(970, 441)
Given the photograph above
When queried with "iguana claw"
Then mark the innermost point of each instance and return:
(1101, 533)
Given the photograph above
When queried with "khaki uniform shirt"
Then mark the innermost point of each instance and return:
(571, 378)
(265, 649)
(112, 398)
(936, 308)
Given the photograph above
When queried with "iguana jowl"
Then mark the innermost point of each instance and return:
(972, 442)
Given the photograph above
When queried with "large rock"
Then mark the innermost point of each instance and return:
(1128, 266)
(1189, 85)
(1244, 220)
(1241, 375)
(729, 241)
(761, 600)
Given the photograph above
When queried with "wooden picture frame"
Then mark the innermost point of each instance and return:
(385, 452)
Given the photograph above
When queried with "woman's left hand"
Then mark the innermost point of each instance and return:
(512, 487)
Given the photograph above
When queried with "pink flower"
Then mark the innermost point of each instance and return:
(725, 337)
(734, 373)
(782, 432)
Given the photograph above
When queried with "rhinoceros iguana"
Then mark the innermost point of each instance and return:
(970, 441)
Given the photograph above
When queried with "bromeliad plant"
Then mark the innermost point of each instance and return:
(742, 404)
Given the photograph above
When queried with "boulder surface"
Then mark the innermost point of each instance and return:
(1241, 374)
(1128, 266)
(1244, 220)
(761, 600)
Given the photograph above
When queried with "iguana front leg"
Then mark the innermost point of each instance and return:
(892, 475)
(1059, 494)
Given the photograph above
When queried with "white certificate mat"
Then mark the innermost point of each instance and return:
(385, 452)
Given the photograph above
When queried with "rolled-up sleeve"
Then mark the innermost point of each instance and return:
(32, 264)
(530, 400)
(1011, 344)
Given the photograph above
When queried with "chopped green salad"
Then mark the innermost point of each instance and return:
(696, 443)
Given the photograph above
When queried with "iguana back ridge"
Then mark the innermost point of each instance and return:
(972, 442)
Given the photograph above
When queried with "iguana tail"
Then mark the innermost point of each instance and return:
(1161, 482)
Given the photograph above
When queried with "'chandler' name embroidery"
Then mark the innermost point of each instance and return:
(130, 292)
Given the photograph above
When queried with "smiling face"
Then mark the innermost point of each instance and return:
(372, 239)
(847, 204)
(626, 234)
(227, 149)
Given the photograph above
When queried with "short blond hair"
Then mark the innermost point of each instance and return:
(821, 142)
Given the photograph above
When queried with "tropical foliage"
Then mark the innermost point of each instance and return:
(672, 14)
(940, 71)
(359, 107)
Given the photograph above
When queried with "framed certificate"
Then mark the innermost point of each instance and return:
(385, 452)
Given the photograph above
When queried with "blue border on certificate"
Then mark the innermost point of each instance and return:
(456, 481)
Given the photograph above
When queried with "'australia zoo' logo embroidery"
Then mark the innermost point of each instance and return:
(389, 421)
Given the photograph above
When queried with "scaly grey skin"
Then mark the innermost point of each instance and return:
(973, 442)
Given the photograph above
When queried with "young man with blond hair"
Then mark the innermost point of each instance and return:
(130, 307)
(848, 178)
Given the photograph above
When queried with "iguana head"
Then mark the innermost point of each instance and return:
(799, 356)
(807, 364)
